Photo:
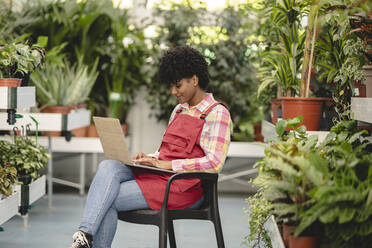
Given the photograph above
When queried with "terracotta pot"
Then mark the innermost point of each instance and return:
(80, 132)
(79, 106)
(309, 107)
(275, 105)
(10, 82)
(92, 131)
(55, 110)
(303, 242)
(368, 82)
(287, 230)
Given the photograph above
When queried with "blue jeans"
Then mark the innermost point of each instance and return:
(113, 189)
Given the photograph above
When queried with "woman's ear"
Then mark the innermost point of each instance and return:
(195, 80)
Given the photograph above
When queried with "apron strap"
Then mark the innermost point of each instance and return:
(205, 113)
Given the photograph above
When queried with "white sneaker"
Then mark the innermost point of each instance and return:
(81, 240)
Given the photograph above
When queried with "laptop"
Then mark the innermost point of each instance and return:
(113, 143)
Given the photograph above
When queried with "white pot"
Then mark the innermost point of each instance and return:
(368, 82)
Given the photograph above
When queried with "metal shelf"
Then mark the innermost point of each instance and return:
(17, 97)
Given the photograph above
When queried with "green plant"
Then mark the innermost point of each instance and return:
(290, 171)
(258, 213)
(95, 29)
(18, 59)
(24, 155)
(8, 177)
(122, 67)
(344, 203)
(65, 85)
(284, 46)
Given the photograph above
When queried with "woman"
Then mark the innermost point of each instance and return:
(196, 139)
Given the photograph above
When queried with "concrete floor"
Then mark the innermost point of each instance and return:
(54, 227)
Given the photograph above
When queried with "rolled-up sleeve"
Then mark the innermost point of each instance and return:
(214, 140)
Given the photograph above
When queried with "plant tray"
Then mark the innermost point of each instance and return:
(17, 97)
(37, 189)
(9, 207)
(50, 122)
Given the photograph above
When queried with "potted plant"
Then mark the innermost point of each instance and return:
(8, 177)
(60, 88)
(343, 202)
(24, 155)
(286, 178)
(17, 61)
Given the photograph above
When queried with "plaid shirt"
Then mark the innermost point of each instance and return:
(214, 139)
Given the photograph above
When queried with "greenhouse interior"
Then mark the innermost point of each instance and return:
(185, 123)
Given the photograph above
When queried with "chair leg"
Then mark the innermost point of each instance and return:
(172, 238)
(163, 235)
(218, 230)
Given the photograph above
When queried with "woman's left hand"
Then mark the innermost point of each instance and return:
(151, 161)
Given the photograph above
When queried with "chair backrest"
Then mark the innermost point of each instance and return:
(209, 192)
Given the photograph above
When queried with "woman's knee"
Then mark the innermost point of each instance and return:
(111, 167)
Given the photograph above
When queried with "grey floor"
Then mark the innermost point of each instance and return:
(54, 227)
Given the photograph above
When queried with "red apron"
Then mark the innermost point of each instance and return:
(181, 141)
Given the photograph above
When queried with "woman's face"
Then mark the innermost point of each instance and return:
(184, 90)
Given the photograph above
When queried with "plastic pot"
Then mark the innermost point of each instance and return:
(311, 108)
(303, 242)
(10, 82)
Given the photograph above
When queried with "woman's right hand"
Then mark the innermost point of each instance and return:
(139, 155)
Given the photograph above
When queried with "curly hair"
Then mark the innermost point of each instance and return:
(183, 62)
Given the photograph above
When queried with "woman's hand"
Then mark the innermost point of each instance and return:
(151, 161)
(139, 155)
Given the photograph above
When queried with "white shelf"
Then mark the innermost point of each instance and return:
(246, 150)
(17, 97)
(36, 190)
(361, 109)
(9, 207)
(269, 132)
(50, 122)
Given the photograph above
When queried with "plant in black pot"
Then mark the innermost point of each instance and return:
(17, 61)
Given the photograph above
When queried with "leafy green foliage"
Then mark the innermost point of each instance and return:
(17, 59)
(283, 46)
(8, 177)
(93, 29)
(257, 213)
(329, 183)
(24, 155)
(64, 85)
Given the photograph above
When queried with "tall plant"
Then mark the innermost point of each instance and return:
(65, 85)
(285, 40)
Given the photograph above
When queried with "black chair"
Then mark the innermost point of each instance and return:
(164, 217)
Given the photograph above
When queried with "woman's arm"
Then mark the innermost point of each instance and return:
(215, 141)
